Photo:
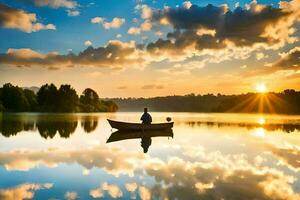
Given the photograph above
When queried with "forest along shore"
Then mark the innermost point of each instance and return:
(49, 98)
(286, 102)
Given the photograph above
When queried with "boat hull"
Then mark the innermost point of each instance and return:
(139, 127)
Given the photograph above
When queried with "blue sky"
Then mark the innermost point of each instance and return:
(166, 71)
(72, 32)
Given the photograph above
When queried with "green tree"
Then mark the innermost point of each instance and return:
(47, 98)
(90, 101)
(14, 99)
(68, 99)
(32, 99)
(1, 104)
(110, 106)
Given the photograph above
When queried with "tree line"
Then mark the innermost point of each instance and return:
(49, 98)
(286, 102)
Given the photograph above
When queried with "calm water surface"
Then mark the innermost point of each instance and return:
(211, 156)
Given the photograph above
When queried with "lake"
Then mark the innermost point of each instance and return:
(208, 156)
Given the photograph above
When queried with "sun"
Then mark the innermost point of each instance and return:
(261, 88)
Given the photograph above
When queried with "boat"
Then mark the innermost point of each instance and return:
(138, 126)
(126, 135)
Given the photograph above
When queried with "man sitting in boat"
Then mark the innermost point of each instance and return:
(146, 117)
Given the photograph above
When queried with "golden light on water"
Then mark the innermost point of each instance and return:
(259, 132)
(261, 120)
(261, 88)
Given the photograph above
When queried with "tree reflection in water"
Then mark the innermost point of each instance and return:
(47, 125)
(89, 123)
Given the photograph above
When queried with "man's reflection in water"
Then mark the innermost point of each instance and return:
(145, 136)
(145, 143)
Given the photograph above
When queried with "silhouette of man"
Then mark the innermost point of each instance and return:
(145, 143)
(146, 117)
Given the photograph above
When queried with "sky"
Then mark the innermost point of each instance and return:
(141, 48)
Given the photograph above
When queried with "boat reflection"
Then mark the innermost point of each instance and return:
(145, 136)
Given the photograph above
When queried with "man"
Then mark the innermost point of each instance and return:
(146, 117)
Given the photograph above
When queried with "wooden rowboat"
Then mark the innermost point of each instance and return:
(138, 126)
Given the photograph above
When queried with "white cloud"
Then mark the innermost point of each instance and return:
(146, 11)
(113, 190)
(96, 193)
(19, 19)
(145, 194)
(115, 23)
(88, 43)
(97, 20)
(260, 56)
(159, 33)
(73, 13)
(53, 3)
(24, 191)
(134, 31)
(131, 187)
(71, 195)
(146, 26)
(187, 4)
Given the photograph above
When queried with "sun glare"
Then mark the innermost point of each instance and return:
(261, 120)
(261, 88)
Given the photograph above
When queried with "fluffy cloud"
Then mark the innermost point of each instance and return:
(134, 31)
(113, 190)
(289, 156)
(73, 13)
(88, 43)
(97, 20)
(145, 26)
(289, 60)
(187, 4)
(115, 54)
(52, 3)
(115, 23)
(219, 177)
(71, 195)
(206, 30)
(24, 191)
(19, 19)
(113, 161)
(145, 193)
(131, 187)
(146, 11)
(96, 193)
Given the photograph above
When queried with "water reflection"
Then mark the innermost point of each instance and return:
(89, 123)
(145, 136)
(287, 128)
(47, 125)
(226, 161)
(48, 129)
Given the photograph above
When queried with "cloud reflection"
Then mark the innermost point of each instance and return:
(113, 190)
(219, 177)
(23, 191)
(112, 160)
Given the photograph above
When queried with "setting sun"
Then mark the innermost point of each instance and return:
(261, 88)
